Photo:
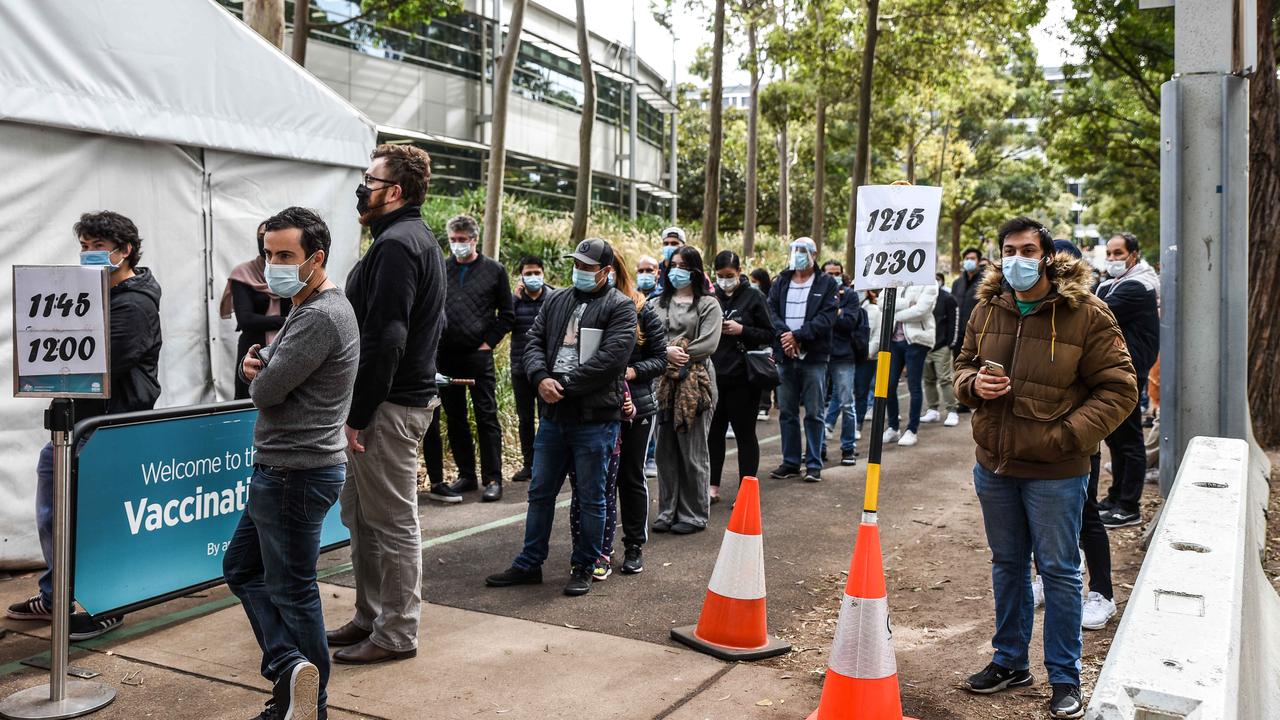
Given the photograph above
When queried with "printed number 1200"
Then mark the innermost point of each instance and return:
(893, 263)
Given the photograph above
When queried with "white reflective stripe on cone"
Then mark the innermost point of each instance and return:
(863, 648)
(739, 572)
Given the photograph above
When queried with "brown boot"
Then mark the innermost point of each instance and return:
(366, 653)
(348, 634)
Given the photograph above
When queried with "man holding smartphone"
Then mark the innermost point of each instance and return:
(1047, 371)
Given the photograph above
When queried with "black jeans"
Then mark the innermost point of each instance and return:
(475, 365)
(738, 405)
(526, 397)
(1128, 460)
(270, 565)
(1093, 536)
(633, 487)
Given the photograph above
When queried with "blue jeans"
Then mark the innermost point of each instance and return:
(1024, 516)
(841, 404)
(913, 356)
(270, 564)
(802, 383)
(863, 394)
(587, 448)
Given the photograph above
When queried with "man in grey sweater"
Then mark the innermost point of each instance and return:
(301, 384)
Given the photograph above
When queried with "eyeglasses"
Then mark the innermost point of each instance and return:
(369, 178)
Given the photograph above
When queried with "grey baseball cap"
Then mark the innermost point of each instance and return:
(593, 251)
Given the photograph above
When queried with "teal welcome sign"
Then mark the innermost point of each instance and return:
(156, 502)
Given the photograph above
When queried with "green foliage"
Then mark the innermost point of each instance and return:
(1106, 127)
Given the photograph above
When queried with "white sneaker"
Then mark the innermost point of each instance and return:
(952, 420)
(871, 410)
(1037, 590)
(1097, 611)
(1107, 467)
(908, 439)
(931, 416)
(890, 436)
(857, 435)
(651, 469)
(728, 434)
(762, 415)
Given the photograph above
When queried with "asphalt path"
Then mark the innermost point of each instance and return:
(808, 533)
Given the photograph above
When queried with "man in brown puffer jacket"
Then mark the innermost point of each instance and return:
(1060, 381)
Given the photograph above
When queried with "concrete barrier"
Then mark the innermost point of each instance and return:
(1200, 638)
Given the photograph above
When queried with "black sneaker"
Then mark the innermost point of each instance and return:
(684, 528)
(442, 493)
(269, 712)
(785, 472)
(84, 627)
(31, 609)
(579, 581)
(813, 475)
(661, 526)
(1118, 518)
(1066, 702)
(849, 457)
(522, 475)
(995, 678)
(464, 484)
(633, 561)
(515, 576)
(296, 692)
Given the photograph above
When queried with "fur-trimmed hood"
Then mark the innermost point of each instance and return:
(1072, 280)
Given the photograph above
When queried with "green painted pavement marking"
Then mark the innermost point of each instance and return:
(196, 611)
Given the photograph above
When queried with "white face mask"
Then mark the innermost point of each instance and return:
(460, 250)
(1116, 268)
(727, 284)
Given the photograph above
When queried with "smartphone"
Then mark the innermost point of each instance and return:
(993, 368)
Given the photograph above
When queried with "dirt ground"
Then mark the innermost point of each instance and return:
(931, 587)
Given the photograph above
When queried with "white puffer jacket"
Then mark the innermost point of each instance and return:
(915, 311)
(873, 324)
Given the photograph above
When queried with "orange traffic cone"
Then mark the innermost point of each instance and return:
(862, 674)
(733, 623)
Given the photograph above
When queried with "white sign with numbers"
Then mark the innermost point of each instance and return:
(896, 243)
(60, 330)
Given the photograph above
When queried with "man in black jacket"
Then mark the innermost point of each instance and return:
(802, 304)
(479, 315)
(527, 303)
(397, 291)
(107, 239)
(938, 363)
(1132, 294)
(578, 351)
(965, 291)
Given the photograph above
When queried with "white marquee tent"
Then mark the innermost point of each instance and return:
(176, 114)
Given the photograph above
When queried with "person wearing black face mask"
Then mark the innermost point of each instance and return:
(259, 312)
(397, 291)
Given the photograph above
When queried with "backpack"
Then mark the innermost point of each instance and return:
(861, 335)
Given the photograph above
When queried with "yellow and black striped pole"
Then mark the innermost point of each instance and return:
(871, 496)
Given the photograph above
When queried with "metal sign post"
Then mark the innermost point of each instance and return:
(62, 312)
(896, 246)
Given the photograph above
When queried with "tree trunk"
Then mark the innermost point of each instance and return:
(582, 203)
(1264, 236)
(753, 144)
(956, 226)
(864, 127)
(266, 17)
(498, 137)
(784, 184)
(911, 156)
(819, 171)
(711, 194)
(301, 30)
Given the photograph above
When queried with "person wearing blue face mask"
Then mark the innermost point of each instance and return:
(673, 238)
(478, 315)
(802, 305)
(965, 291)
(301, 384)
(646, 275)
(108, 240)
(1046, 369)
(527, 301)
(576, 357)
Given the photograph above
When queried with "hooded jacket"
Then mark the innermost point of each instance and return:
(814, 335)
(649, 359)
(135, 348)
(1135, 301)
(1072, 379)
